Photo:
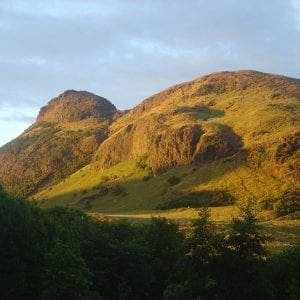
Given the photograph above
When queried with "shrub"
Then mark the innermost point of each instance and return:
(146, 177)
(257, 156)
(199, 199)
(142, 163)
(173, 180)
(119, 190)
(265, 204)
(287, 204)
(104, 178)
(84, 192)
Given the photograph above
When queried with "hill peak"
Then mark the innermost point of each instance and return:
(72, 105)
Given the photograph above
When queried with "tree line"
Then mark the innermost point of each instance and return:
(62, 253)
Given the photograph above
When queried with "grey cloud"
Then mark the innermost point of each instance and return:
(127, 50)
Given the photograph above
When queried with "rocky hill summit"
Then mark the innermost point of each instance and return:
(67, 132)
(74, 106)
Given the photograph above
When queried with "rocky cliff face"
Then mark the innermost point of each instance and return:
(167, 146)
(65, 136)
(208, 118)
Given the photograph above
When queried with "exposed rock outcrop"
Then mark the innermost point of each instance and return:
(167, 146)
(73, 106)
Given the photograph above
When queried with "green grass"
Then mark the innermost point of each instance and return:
(230, 175)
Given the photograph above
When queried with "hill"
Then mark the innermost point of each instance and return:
(219, 139)
(63, 139)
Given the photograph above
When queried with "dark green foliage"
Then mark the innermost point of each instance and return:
(147, 177)
(21, 255)
(173, 180)
(288, 203)
(119, 190)
(243, 261)
(245, 238)
(194, 277)
(284, 272)
(165, 245)
(62, 253)
(65, 273)
(219, 266)
(118, 260)
(199, 199)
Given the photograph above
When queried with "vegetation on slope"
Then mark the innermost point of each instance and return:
(141, 192)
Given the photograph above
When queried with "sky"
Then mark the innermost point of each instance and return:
(127, 50)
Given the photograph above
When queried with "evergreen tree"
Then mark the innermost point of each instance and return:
(239, 271)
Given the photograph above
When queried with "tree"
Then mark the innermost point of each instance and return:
(244, 238)
(164, 243)
(118, 259)
(194, 278)
(23, 243)
(65, 274)
(284, 273)
(239, 271)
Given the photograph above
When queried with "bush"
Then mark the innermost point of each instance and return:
(142, 163)
(265, 204)
(84, 192)
(173, 180)
(287, 204)
(119, 190)
(199, 199)
(257, 156)
(104, 178)
(146, 177)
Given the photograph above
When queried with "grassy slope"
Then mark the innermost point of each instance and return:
(143, 196)
(236, 178)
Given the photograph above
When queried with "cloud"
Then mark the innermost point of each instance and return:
(127, 50)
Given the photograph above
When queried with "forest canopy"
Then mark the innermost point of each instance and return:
(62, 253)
